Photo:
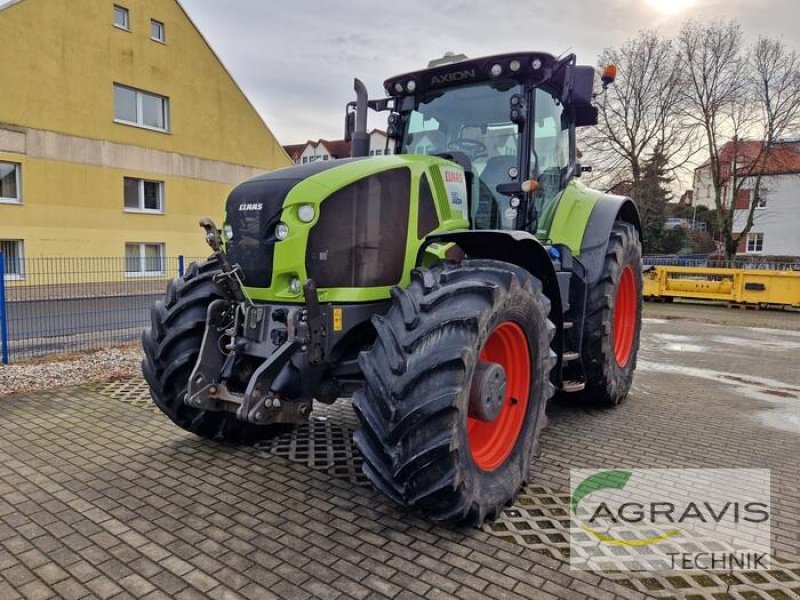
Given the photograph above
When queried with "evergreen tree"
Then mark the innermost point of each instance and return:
(651, 196)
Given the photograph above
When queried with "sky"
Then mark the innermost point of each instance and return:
(296, 59)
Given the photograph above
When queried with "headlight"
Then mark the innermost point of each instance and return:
(227, 232)
(294, 285)
(305, 212)
(281, 231)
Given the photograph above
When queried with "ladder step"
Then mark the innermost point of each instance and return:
(573, 386)
(568, 324)
(570, 356)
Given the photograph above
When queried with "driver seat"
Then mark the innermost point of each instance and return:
(495, 172)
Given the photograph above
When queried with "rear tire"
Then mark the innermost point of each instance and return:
(613, 320)
(171, 347)
(421, 443)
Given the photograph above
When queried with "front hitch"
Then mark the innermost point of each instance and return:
(305, 332)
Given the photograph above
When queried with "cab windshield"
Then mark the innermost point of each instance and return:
(474, 120)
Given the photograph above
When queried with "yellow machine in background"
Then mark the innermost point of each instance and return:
(740, 286)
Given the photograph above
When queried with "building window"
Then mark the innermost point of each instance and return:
(761, 201)
(157, 31)
(121, 17)
(135, 107)
(755, 242)
(144, 259)
(10, 182)
(325, 157)
(143, 195)
(305, 159)
(13, 259)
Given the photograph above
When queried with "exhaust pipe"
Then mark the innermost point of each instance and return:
(359, 145)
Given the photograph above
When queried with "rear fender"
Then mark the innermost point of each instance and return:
(582, 221)
(607, 210)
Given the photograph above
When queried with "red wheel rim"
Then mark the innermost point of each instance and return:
(625, 316)
(490, 443)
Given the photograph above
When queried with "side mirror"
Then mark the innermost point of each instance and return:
(582, 92)
(349, 124)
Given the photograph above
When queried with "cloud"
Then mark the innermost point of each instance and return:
(296, 60)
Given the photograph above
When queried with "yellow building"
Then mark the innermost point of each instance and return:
(119, 130)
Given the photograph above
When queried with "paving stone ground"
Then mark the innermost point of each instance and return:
(104, 498)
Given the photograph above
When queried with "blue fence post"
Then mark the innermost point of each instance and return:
(180, 265)
(3, 312)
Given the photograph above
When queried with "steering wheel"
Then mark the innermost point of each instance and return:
(473, 148)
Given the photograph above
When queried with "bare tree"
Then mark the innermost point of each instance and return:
(743, 101)
(641, 112)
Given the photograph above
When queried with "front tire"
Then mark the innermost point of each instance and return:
(613, 320)
(171, 347)
(424, 443)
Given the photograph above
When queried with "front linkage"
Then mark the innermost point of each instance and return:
(237, 328)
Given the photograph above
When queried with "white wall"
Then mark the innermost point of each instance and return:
(703, 188)
(779, 221)
(311, 153)
(377, 143)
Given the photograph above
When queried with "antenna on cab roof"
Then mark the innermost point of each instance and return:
(448, 58)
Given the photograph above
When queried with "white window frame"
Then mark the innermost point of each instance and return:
(761, 202)
(143, 259)
(140, 186)
(139, 123)
(20, 258)
(127, 13)
(162, 27)
(754, 238)
(18, 174)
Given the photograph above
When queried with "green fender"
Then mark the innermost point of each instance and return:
(582, 219)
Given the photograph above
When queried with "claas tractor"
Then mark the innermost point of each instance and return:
(450, 286)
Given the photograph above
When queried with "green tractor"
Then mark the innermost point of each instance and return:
(449, 286)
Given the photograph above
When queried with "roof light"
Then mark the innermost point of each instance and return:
(514, 65)
(398, 87)
(609, 75)
(496, 70)
(536, 64)
(411, 85)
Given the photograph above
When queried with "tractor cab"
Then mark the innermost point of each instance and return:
(509, 120)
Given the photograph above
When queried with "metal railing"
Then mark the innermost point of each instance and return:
(678, 260)
(68, 305)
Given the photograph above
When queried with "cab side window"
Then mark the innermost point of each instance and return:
(550, 147)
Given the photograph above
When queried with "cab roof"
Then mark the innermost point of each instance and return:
(524, 66)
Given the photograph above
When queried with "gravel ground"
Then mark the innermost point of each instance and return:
(111, 364)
